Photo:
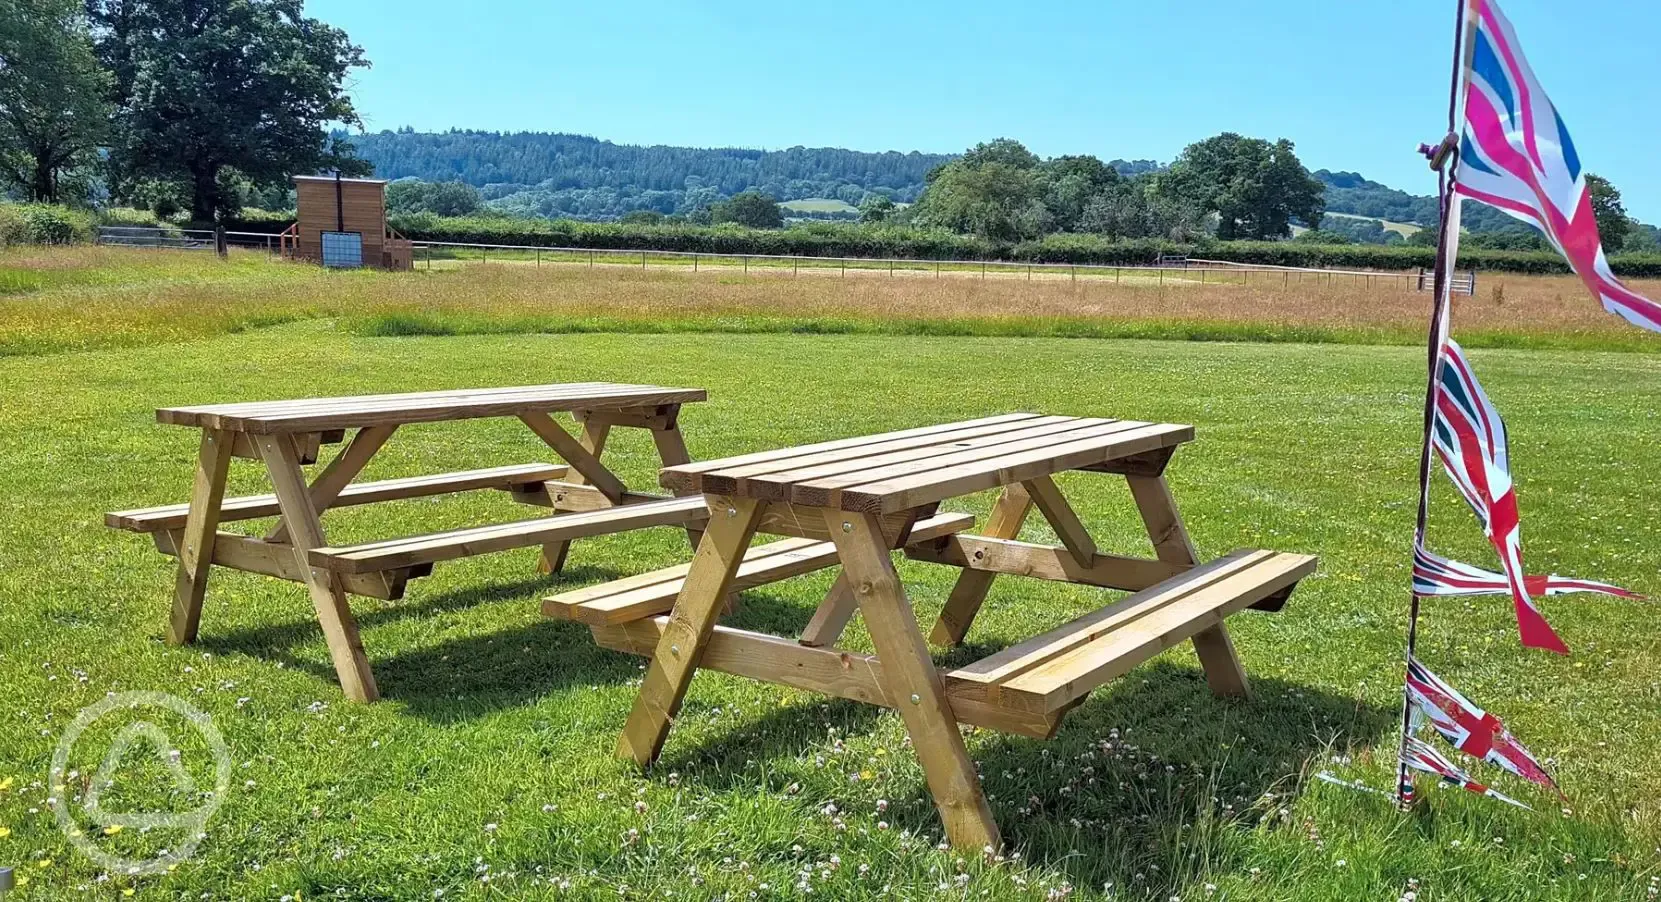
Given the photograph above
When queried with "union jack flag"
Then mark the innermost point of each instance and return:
(1470, 439)
(1434, 575)
(1419, 756)
(1471, 729)
(1515, 154)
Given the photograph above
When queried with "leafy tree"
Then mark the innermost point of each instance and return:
(1422, 238)
(1613, 223)
(642, 217)
(1071, 183)
(1004, 151)
(1515, 237)
(440, 198)
(1138, 208)
(1256, 188)
(994, 191)
(876, 208)
(749, 208)
(206, 87)
(453, 199)
(52, 109)
(1643, 239)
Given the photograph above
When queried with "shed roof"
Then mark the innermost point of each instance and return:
(330, 178)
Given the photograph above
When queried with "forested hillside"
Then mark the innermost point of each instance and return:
(557, 174)
(1350, 192)
(560, 175)
(564, 176)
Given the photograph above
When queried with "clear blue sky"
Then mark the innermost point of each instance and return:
(1357, 85)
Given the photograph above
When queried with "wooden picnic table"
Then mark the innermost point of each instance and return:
(288, 434)
(851, 502)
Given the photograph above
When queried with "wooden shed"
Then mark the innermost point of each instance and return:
(341, 222)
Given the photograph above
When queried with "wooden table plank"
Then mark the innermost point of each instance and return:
(752, 479)
(911, 490)
(688, 477)
(313, 414)
(818, 485)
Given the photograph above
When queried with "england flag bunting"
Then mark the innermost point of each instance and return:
(1419, 756)
(1469, 728)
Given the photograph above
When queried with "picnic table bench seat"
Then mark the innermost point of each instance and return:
(514, 478)
(391, 554)
(1050, 673)
(648, 594)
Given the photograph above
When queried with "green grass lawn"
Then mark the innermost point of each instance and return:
(487, 772)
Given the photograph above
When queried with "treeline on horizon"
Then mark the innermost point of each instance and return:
(997, 190)
(168, 106)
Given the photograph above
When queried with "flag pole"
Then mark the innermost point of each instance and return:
(1447, 253)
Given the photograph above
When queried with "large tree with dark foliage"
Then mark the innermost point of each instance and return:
(1256, 188)
(210, 92)
(1613, 223)
(52, 109)
(749, 208)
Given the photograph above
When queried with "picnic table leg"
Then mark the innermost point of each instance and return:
(731, 526)
(333, 613)
(972, 585)
(213, 463)
(911, 680)
(1172, 545)
(594, 442)
(671, 451)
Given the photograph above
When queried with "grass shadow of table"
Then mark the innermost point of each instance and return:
(1152, 784)
(494, 670)
(1153, 770)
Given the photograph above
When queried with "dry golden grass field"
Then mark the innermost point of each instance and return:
(61, 299)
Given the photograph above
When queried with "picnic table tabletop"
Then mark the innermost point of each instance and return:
(319, 414)
(897, 471)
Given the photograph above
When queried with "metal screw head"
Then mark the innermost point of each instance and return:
(916, 699)
(847, 526)
(675, 650)
(732, 511)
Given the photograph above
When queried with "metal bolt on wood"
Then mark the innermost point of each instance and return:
(916, 699)
(847, 527)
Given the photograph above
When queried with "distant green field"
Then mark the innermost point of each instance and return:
(819, 205)
(1404, 229)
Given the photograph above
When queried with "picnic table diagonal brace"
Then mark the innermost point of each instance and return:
(593, 441)
(584, 453)
(970, 590)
